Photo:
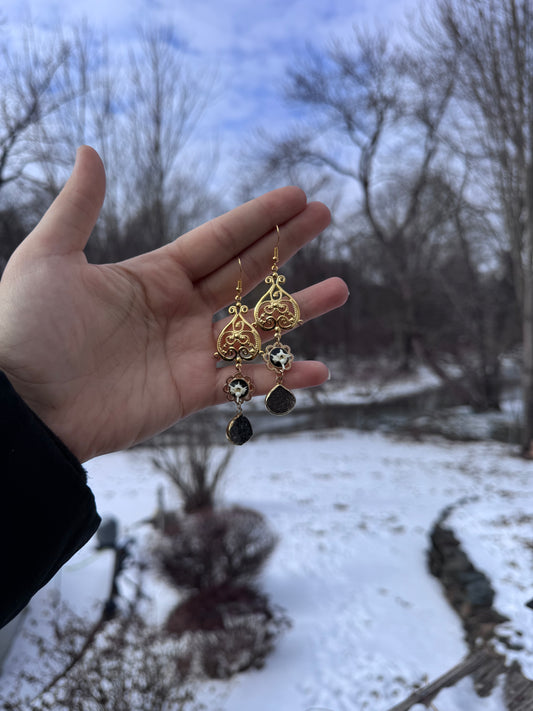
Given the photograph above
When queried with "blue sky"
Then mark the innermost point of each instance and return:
(244, 46)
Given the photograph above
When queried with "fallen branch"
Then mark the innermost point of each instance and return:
(427, 693)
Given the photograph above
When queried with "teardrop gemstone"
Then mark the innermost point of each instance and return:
(239, 430)
(280, 400)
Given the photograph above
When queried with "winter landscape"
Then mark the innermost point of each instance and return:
(353, 511)
(394, 565)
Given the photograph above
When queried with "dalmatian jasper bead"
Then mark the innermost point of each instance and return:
(238, 389)
(280, 357)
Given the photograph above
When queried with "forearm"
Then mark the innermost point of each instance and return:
(47, 511)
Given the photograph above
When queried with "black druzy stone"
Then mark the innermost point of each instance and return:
(280, 401)
(239, 430)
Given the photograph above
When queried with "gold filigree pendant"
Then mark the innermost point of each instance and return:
(238, 341)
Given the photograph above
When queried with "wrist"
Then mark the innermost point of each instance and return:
(26, 396)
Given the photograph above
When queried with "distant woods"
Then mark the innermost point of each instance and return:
(422, 147)
(139, 105)
(425, 147)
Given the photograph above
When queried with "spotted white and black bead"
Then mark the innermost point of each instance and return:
(280, 357)
(238, 389)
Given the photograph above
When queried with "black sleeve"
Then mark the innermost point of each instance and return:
(47, 511)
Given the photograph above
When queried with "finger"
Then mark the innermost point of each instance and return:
(69, 221)
(303, 374)
(218, 288)
(210, 246)
(314, 301)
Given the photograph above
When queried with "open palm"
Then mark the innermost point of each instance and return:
(108, 355)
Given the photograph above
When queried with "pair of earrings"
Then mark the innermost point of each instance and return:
(240, 341)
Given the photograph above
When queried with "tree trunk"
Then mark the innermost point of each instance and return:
(527, 322)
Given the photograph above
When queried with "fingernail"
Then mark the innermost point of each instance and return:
(76, 157)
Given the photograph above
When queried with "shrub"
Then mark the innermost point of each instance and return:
(124, 665)
(226, 630)
(194, 463)
(212, 548)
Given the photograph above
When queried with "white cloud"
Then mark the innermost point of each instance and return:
(246, 45)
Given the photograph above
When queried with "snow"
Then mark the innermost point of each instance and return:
(462, 697)
(372, 382)
(496, 532)
(353, 511)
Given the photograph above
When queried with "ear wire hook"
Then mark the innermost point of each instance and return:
(276, 252)
(238, 290)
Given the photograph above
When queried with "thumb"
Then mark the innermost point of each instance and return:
(68, 222)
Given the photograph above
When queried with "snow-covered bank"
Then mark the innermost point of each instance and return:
(353, 511)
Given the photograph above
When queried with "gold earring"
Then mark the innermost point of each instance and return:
(238, 341)
(277, 311)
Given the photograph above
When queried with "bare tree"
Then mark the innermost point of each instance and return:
(145, 110)
(492, 45)
(377, 128)
(140, 109)
(31, 95)
(32, 98)
(55, 142)
(169, 101)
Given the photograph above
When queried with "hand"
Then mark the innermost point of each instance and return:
(108, 355)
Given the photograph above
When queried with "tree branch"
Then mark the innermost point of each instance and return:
(450, 678)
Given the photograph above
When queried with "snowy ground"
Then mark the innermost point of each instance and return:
(353, 511)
